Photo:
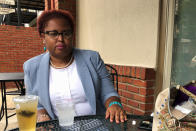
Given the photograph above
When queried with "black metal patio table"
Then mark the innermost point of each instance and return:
(94, 123)
(18, 79)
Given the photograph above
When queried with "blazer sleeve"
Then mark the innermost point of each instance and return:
(107, 87)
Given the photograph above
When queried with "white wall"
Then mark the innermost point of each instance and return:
(124, 32)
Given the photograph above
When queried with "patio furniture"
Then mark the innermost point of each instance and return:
(94, 123)
(18, 79)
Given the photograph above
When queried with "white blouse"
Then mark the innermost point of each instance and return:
(65, 83)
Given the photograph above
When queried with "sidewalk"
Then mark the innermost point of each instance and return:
(12, 121)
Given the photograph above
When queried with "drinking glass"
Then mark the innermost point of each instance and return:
(65, 111)
(26, 112)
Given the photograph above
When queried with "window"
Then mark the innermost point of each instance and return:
(183, 68)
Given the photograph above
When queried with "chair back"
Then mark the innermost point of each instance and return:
(114, 75)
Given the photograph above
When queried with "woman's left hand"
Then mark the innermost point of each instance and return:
(115, 112)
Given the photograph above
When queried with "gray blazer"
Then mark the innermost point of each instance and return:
(91, 70)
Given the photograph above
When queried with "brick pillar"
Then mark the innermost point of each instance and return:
(69, 5)
(51, 4)
(56, 4)
(47, 4)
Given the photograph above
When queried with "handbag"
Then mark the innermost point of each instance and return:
(175, 109)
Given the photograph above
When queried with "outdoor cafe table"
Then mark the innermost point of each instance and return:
(93, 123)
(18, 79)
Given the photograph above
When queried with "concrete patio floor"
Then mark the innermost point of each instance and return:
(12, 121)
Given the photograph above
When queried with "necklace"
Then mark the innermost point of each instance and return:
(61, 67)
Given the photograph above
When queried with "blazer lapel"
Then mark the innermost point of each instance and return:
(86, 79)
(43, 86)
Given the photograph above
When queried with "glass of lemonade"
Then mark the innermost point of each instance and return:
(26, 112)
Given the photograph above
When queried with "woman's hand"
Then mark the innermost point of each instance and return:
(115, 112)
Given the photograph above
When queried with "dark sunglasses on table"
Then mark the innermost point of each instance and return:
(55, 34)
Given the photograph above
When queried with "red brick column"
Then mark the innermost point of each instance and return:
(69, 5)
(47, 4)
(136, 89)
(51, 4)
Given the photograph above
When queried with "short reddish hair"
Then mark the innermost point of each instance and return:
(50, 14)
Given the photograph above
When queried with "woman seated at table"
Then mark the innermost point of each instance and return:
(69, 73)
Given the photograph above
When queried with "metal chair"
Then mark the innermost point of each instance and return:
(5, 78)
(114, 75)
(20, 89)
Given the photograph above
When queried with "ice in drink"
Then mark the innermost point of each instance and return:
(66, 114)
(26, 111)
(65, 111)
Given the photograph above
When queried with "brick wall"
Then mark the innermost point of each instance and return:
(17, 44)
(136, 89)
